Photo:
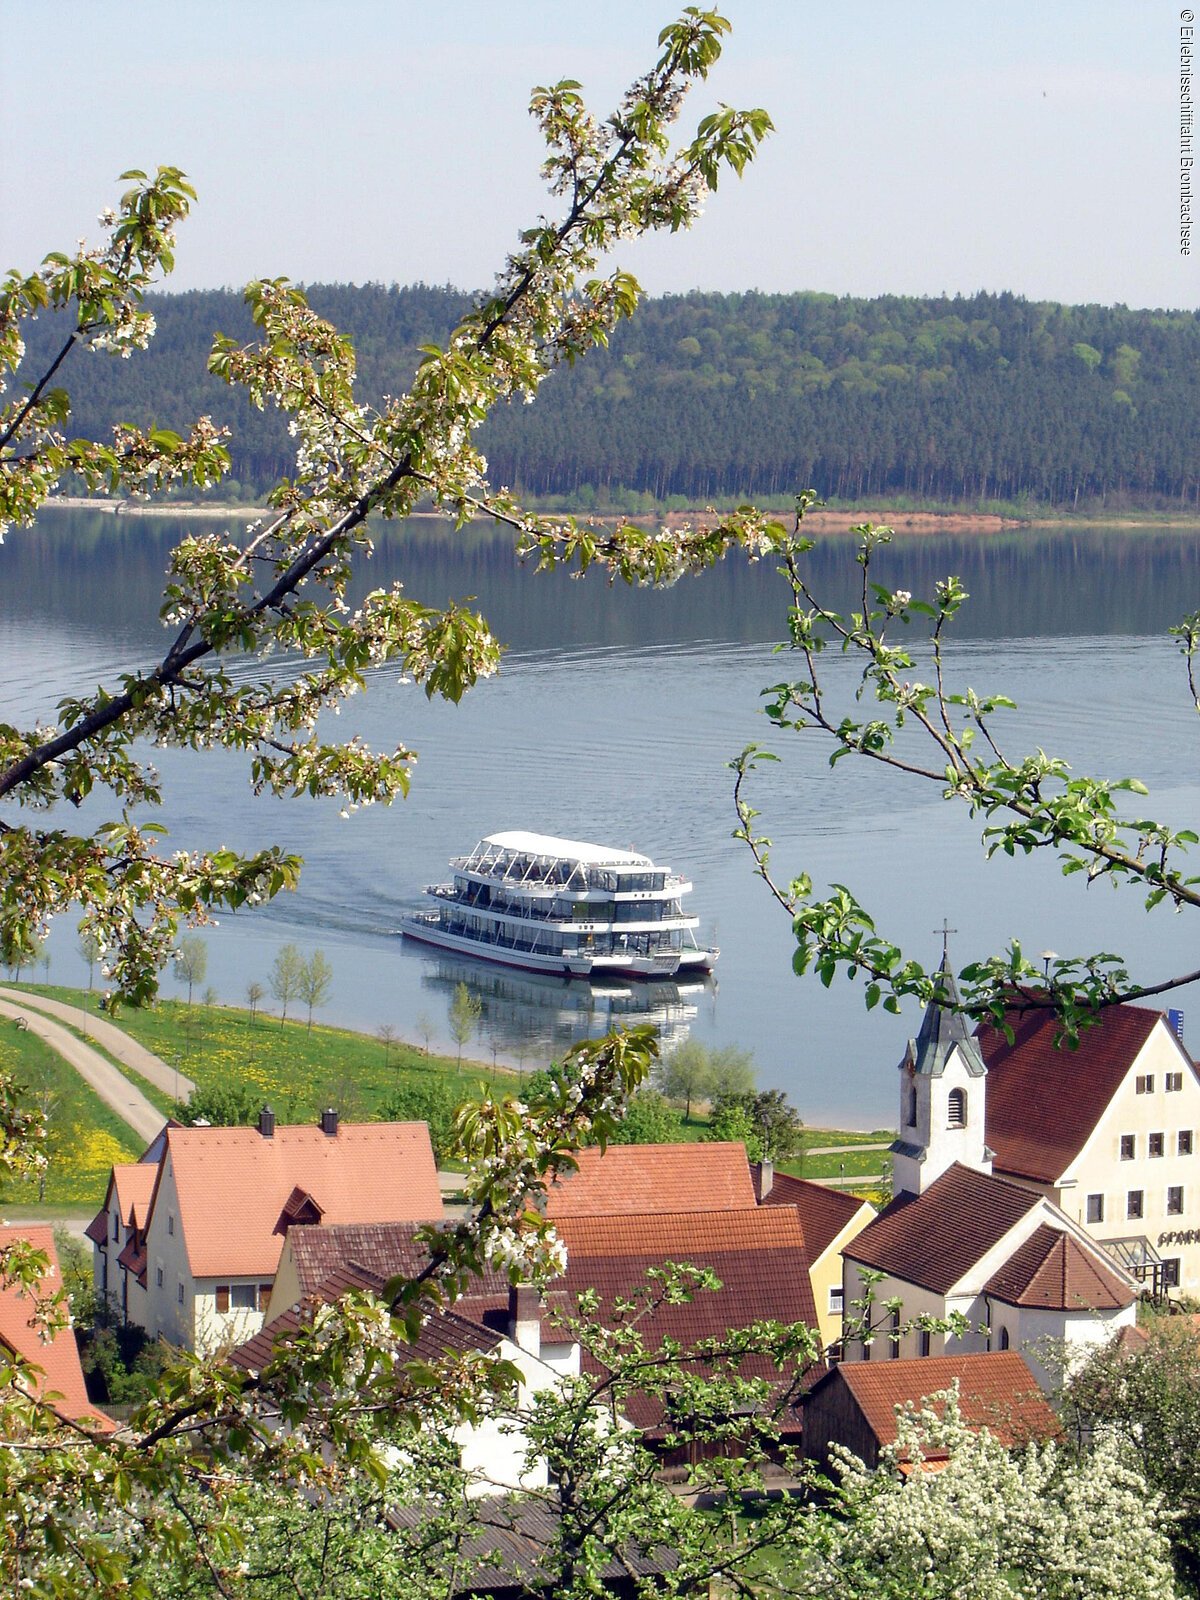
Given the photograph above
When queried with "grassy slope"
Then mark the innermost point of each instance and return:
(298, 1070)
(84, 1137)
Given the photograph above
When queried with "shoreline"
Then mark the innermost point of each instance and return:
(919, 524)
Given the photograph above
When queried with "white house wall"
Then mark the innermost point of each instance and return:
(1099, 1169)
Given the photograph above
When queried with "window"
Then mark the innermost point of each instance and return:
(243, 1297)
(923, 1342)
(179, 1294)
(894, 1336)
(1133, 1205)
(1144, 1083)
(116, 1225)
(835, 1301)
(1185, 1142)
(956, 1109)
(1128, 1146)
(170, 1223)
(222, 1297)
(1095, 1208)
(264, 1294)
(866, 1351)
(158, 1276)
(1004, 1338)
(1156, 1144)
(1173, 1082)
(1171, 1272)
(912, 1107)
(1175, 1200)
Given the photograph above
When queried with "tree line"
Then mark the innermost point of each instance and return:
(705, 397)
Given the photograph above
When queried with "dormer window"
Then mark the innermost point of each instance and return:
(956, 1109)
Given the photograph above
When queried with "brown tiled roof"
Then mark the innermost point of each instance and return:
(935, 1238)
(511, 1546)
(232, 1184)
(1043, 1102)
(446, 1333)
(642, 1178)
(134, 1181)
(299, 1207)
(133, 1256)
(996, 1391)
(383, 1248)
(97, 1228)
(758, 1256)
(823, 1212)
(58, 1358)
(1054, 1271)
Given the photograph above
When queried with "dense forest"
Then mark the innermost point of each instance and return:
(704, 397)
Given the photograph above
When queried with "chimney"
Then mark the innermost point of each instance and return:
(525, 1318)
(329, 1122)
(266, 1122)
(766, 1178)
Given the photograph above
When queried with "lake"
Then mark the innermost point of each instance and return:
(612, 720)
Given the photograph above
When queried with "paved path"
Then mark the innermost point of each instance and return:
(112, 1086)
(118, 1043)
(831, 1149)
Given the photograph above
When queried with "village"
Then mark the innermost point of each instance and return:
(1040, 1196)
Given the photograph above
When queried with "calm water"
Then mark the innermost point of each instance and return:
(612, 720)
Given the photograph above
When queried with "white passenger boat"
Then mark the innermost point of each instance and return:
(557, 905)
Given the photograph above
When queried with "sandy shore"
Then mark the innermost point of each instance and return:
(147, 508)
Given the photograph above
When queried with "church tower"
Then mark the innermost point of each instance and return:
(943, 1097)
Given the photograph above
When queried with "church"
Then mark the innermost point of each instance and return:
(966, 1237)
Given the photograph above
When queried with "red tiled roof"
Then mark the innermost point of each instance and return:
(823, 1212)
(97, 1228)
(62, 1376)
(758, 1256)
(935, 1238)
(232, 1184)
(1043, 1102)
(643, 1178)
(134, 1182)
(1054, 1271)
(996, 1391)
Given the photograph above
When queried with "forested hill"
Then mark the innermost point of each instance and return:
(706, 396)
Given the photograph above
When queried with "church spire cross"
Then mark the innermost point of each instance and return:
(945, 930)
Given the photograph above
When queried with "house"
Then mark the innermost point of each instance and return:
(59, 1379)
(829, 1221)
(199, 1254)
(756, 1254)
(959, 1238)
(856, 1405)
(1003, 1257)
(1108, 1131)
(494, 1318)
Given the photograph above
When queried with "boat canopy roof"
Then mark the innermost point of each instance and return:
(543, 844)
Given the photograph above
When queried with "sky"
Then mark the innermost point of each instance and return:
(922, 146)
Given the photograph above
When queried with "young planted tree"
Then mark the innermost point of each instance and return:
(465, 1012)
(191, 962)
(255, 994)
(315, 983)
(387, 1037)
(286, 977)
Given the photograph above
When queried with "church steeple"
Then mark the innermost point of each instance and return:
(943, 1090)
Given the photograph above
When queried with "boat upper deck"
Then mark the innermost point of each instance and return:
(540, 861)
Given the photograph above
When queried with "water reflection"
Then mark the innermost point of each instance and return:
(536, 1016)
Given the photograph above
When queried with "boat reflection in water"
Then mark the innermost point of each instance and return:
(532, 1017)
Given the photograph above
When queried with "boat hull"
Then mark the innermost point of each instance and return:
(565, 965)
